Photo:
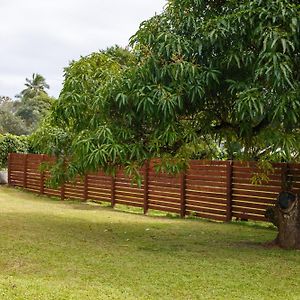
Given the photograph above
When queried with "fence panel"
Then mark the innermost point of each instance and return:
(163, 191)
(46, 190)
(99, 187)
(16, 169)
(206, 189)
(33, 172)
(249, 201)
(126, 192)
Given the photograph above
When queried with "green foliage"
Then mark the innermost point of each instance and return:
(229, 67)
(80, 121)
(50, 139)
(10, 123)
(219, 76)
(33, 110)
(11, 144)
(23, 115)
(34, 102)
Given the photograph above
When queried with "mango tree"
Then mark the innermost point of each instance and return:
(201, 73)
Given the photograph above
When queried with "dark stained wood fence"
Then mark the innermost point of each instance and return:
(217, 190)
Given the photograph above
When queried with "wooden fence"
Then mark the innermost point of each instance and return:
(217, 190)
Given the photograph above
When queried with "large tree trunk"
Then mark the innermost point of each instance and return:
(286, 216)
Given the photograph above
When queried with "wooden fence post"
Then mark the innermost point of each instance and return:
(229, 190)
(42, 182)
(25, 171)
(182, 195)
(62, 192)
(146, 186)
(113, 192)
(9, 168)
(86, 187)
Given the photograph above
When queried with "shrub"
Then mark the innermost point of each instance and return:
(11, 143)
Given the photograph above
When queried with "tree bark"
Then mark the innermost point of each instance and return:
(285, 215)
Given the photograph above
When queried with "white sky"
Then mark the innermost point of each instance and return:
(42, 36)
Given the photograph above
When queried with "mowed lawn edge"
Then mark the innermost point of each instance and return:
(71, 250)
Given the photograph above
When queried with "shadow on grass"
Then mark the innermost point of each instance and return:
(113, 228)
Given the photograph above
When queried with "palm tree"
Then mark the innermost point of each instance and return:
(34, 87)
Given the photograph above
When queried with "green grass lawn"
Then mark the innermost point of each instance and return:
(69, 250)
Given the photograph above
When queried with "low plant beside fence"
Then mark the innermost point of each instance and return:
(217, 190)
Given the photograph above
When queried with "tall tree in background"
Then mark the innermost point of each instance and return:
(34, 102)
(34, 87)
(23, 115)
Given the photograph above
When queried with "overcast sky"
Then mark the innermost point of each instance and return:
(42, 36)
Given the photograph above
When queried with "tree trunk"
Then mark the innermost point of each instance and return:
(286, 216)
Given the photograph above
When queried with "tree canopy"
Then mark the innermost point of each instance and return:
(201, 74)
(34, 87)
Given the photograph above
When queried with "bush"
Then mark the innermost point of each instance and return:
(12, 144)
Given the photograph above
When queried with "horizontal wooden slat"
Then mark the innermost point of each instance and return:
(262, 188)
(128, 185)
(126, 180)
(163, 208)
(129, 203)
(206, 210)
(50, 193)
(126, 192)
(165, 204)
(33, 189)
(251, 204)
(250, 176)
(99, 191)
(94, 179)
(162, 197)
(162, 186)
(254, 195)
(206, 215)
(212, 181)
(164, 192)
(73, 193)
(73, 196)
(239, 180)
(208, 173)
(33, 185)
(99, 198)
(120, 194)
(248, 210)
(163, 181)
(248, 216)
(205, 196)
(99, 186)
(221, 206)
(253, 199)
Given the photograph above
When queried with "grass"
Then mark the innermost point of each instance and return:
(69, 250)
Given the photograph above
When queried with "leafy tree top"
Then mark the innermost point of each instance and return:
(231, 66)
(224, 71)
(34, 87)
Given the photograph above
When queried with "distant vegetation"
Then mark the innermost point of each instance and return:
(21, 116)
